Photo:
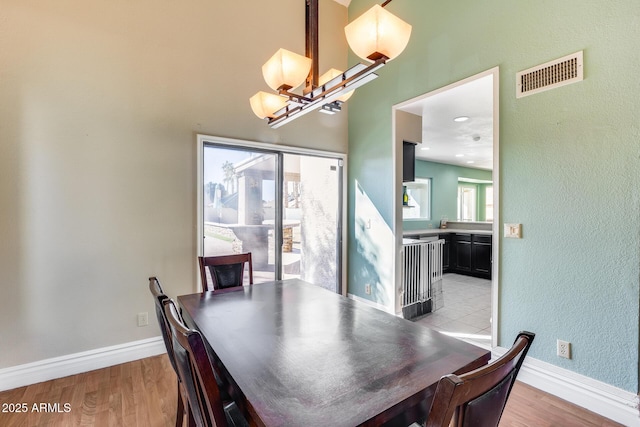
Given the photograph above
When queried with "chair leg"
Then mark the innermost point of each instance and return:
(184, 409)
(180, 411)
(191, 421)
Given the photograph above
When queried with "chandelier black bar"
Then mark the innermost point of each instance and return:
(299, 105)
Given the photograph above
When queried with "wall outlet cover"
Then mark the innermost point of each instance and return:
(563, 349)
(143, 319)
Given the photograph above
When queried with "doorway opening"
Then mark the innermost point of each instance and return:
(457, 152)
(284, 205)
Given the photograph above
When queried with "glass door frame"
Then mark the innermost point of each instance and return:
(279, 151)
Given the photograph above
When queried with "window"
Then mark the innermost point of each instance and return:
(475, 199)
(466, 203)
(488, 203)
(417, 203)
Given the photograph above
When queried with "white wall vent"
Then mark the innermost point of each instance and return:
(560, 72)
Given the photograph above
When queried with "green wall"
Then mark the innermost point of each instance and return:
(444, 191)
(569, 165)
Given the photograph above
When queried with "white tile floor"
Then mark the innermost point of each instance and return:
(466, 311)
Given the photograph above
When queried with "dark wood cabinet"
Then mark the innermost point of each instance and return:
(470, 254)
(481, 256)
(462, 248)
(446, 252)
(408, 161)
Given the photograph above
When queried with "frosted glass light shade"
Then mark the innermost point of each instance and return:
(377, 33)
(331, 74)
(266, 104)
(286, 68)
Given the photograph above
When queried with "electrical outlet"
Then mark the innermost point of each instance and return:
(367, 289)
(143, 319)
(564, 349)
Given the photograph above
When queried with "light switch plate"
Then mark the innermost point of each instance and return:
(513, 231)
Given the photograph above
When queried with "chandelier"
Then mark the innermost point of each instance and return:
(377, 36)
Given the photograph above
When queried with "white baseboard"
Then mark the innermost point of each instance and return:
(606, 400)
(369, 303)
(58, 367)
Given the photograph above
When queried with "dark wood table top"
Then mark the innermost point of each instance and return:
(299, 355)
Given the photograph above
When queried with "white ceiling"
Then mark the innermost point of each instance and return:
(446, 141)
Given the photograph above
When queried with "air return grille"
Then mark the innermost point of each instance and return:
(562, 71)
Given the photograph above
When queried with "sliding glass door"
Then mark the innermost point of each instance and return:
(239, 199)
(283, 207)
(311, 219)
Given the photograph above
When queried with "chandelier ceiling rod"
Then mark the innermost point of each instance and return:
(312, 44)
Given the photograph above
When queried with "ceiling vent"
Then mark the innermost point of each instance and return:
(560, 72)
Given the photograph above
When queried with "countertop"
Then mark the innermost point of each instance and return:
(436, 231)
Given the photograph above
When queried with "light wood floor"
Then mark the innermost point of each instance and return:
(143, 393)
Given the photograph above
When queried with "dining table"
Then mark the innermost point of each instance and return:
(296, 354)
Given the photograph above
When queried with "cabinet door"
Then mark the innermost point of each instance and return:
(481, 256)
(463, 252)
(446, 249)
(408, 161)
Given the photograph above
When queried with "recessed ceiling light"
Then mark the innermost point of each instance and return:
(469, 162)
(424, 148)
(459, 155)
(461, 119)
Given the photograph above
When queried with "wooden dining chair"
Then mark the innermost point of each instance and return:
(159, 298)
(197, 374)
(226, 271)
(477, 398)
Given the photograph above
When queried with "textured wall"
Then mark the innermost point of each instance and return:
(101, 103)
(569, 164)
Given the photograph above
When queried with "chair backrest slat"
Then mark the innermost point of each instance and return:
(226, 271)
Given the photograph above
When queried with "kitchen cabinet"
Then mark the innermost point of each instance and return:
(408, 161)
(462, 256)
(446, 252)
(481, 256)
(470, 254)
